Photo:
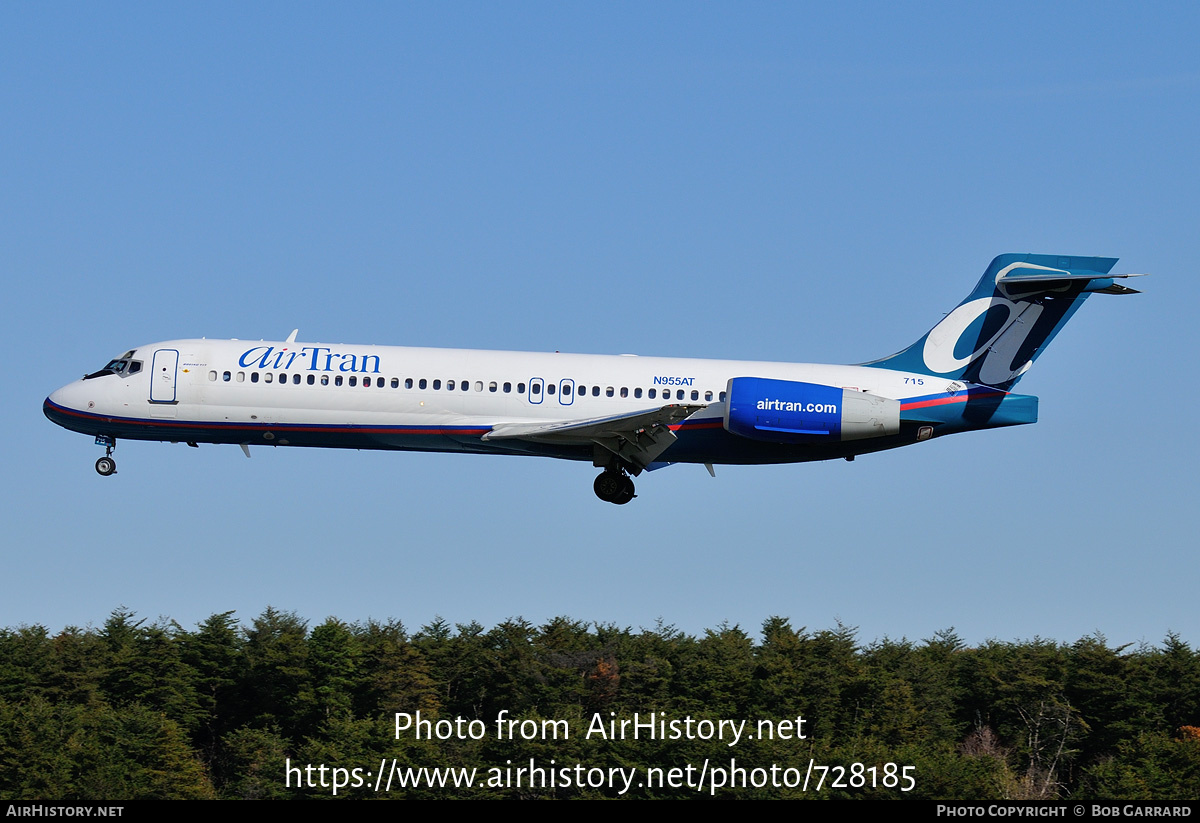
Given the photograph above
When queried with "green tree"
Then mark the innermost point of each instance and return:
(252, 765)
(1151, 766)
(214, 652)
(334, 659)
(276, 672)
(396, 676)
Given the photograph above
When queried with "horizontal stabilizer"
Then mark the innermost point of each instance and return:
(1027, 280)
(1117, 288)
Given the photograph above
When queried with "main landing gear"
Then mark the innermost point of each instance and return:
(614, 486)
(106, 465)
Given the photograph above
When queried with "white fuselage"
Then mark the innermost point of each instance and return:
(289, 393)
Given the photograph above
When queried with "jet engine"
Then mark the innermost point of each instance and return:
(786, 411)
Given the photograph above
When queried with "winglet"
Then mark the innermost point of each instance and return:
(291, 338)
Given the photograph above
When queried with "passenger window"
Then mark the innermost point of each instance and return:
(225, 376)
(550, 389)
(324, 380)
(353, 381)
(608, 392)
(253, 377)
(653, 393)
(296, 378)
(492, 386)
(367, 382)
(408, 382)
(708, 396)
(422, 383)
(465, 385)
(595, 391)
(520, 388)
(267, 377)
(379, 382)
(437, 385)
(637, 392)
(566, 389)
(478, 385)
(508, 388)
(449, 385)
(695, 394)
(395, 382)
(536, 388)
(679, 394)
(722, 396)
(212, 376)
(624, 392)
(241, 377)
(583, 391)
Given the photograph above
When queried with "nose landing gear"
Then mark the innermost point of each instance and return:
(614, 486)
(106, 465)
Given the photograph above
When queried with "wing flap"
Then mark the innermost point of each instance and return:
(636, 438)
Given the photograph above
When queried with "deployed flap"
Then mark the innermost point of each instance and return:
(637, 438)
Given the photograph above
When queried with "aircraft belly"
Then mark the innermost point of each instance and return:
(713, 444)
(697, 440)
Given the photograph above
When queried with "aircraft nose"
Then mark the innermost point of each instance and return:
(51, 407)
(67, 396)
(62, 402)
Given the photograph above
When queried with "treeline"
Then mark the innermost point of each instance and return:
(152, 710)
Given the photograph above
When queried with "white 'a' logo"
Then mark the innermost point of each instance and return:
(998, 351)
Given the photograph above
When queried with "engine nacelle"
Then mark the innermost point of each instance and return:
(785, 411)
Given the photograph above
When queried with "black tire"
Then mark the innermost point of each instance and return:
(106, 466)
(627, 492)
(608, 486)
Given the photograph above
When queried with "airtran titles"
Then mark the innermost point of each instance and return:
(784, 405)
(309, 358)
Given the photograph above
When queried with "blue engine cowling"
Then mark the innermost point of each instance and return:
(785, 411)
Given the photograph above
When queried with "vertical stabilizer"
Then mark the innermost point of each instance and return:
(994, 335)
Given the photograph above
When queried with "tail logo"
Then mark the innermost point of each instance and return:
(998, 351)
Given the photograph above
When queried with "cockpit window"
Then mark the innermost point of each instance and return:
(113, 367)
(122, 365)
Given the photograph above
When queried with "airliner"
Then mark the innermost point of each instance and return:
(625, 414)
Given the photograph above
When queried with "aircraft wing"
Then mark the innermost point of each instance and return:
(637, 438)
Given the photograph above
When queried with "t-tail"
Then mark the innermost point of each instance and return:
(1022, 301)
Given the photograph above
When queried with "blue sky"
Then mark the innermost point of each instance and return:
(801, 182)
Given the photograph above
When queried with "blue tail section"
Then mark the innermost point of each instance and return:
(995, 334)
